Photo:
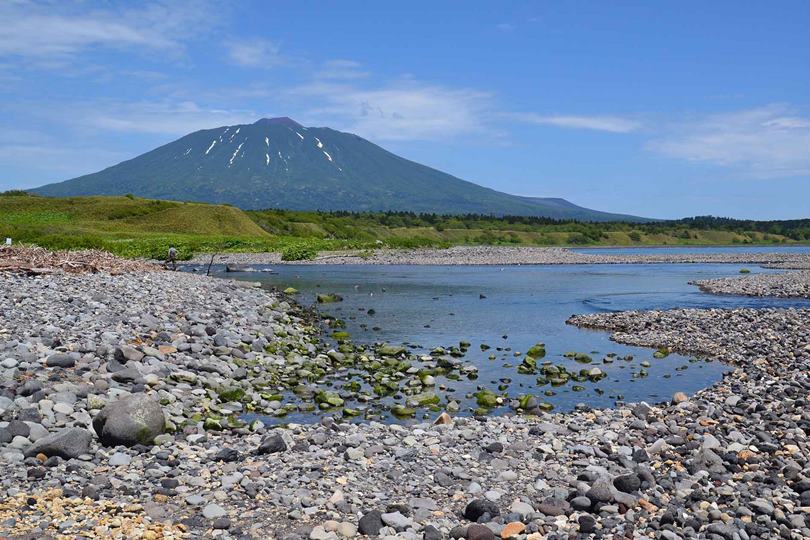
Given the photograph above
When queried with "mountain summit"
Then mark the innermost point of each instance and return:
(278, 163)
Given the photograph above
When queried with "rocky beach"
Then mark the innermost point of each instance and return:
(501, 255)
(784, 285)
(130, 398)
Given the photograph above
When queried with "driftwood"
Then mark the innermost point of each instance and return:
(33, 260)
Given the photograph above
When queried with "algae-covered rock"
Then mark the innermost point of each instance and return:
(537, 351)
(528, 402)
(330, 399)
(390, 350)
(583, 358)
(423, 399)
(212, 424)
(596, 374)
(486, 398)
(400, 411)
(231, 394)
(529, 365)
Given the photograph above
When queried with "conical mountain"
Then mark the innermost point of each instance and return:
(278, 163)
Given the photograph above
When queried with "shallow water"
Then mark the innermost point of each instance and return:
(430, 306)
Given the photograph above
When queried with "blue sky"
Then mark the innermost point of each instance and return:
(663, 109)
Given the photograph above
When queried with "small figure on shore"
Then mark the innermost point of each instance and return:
(172, 258)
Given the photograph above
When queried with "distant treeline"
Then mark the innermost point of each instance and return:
(284, 221)
(796, 229)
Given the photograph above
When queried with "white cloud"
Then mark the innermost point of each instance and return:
(613, 124)
(766, 142)
(52, 34)
(405, 111)
(254, 53)
(505, 27)
(49, 159)
(341, 69)
(159, 117)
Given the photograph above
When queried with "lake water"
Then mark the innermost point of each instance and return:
(429, 306)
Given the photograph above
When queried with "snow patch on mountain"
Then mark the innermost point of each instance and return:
(238, 148)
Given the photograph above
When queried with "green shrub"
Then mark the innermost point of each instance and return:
(298, 252)
(578, 238)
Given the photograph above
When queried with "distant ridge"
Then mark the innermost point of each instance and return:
(278, 163)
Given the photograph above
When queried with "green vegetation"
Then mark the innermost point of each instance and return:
(135, 227)
(410, 230)
(299, 251)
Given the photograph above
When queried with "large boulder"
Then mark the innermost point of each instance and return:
(67, 443)
(133, 420)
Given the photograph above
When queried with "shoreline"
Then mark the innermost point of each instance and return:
(730, 460)
(795, 284)
(505, 256)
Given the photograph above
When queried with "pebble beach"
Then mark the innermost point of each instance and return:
(504, 255)
(126, 404)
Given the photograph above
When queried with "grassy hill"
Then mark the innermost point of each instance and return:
(128, 226)
(136, 227)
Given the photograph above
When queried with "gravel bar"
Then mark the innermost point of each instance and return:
(786, 285)
(497, 255)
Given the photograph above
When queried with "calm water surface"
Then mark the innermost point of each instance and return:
(429, 306)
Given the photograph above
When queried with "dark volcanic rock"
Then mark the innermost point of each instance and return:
(478, 507)
(272, 444)
(371, 523)
(68, 443)
(628, 483)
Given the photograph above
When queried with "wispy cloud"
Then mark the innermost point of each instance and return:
(613, 124)
(766, 142)
(408, 110)
(505, 27)
(52, 34)
(254, 53)
(52, 159)
(158, 117)
(342, 69)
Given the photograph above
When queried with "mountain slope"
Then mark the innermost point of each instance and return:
(277, 163)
